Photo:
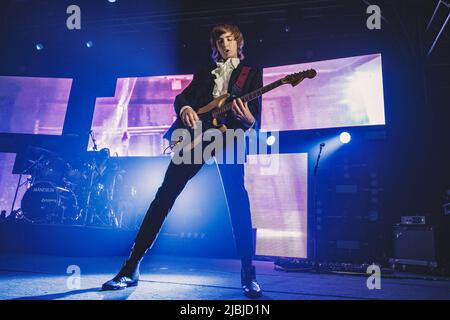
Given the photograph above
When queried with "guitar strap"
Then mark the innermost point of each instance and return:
(240, 83)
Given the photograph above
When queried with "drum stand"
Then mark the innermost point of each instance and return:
(19, 184)
(111, 215)
(15, 194)
(92, 213)
(89, 217)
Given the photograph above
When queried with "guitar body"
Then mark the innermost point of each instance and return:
(208, 121)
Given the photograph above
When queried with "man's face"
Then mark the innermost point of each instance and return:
(227, 46)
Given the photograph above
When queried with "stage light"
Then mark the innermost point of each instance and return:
(89, 44)
(111, 1)
(39, 46)
(345, 137)
(270, 140)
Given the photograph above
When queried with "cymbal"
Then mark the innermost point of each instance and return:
(38, 151)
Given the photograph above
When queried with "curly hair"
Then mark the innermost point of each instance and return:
(219, 30)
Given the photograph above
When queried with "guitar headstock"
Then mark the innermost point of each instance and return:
(295, 78)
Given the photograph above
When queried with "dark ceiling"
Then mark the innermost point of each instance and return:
(137, 36)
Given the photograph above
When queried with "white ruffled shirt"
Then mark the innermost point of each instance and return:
(223, 74)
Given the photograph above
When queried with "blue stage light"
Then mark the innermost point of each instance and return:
(270, 140)
(89, 44)
(345, 137)
(111, 1)
(39, 46)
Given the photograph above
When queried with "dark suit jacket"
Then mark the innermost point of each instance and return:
(199, 93)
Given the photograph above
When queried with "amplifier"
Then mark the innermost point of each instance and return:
(417, 220)
(414, 245)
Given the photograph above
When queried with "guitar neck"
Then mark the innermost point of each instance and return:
(247, 97)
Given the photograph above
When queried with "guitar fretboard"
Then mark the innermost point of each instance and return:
(246, 98)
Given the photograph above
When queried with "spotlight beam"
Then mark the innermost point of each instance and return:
(439, 34)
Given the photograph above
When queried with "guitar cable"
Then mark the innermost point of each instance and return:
(173, 145)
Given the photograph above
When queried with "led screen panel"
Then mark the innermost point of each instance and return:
(277, 188)
(33, 105)
(345, 92)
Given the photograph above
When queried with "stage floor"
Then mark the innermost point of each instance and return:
(181, 278)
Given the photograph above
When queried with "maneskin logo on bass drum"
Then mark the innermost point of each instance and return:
(43, 200)
(41, 189)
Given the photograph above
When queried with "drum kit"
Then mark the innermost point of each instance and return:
(83, 191)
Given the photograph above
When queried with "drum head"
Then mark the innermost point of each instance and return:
(40, 202)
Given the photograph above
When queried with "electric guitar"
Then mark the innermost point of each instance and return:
(212, 115)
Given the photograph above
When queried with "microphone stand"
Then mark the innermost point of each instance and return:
(88, 219)
(315, 264)
(91, 133)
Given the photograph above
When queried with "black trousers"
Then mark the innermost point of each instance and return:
(176, 177)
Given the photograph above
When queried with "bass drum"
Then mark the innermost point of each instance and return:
(44, 202)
